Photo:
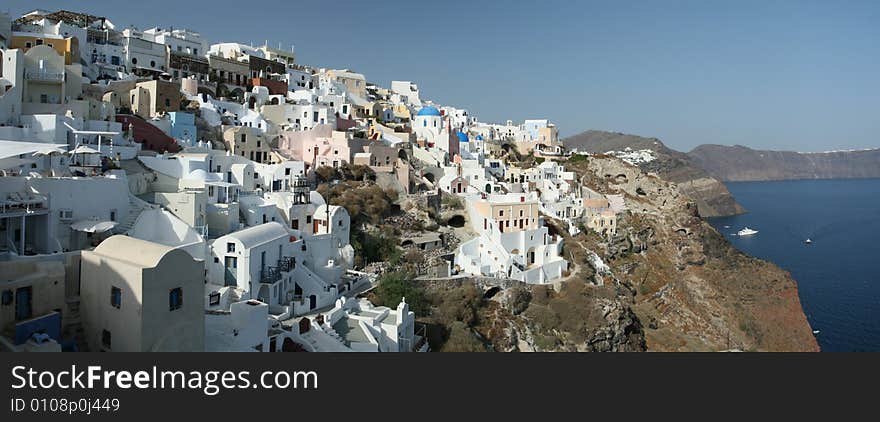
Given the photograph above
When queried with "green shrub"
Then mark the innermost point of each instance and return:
(397, 285)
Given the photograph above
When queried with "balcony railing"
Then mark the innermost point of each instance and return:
(39, 75)
(270, 275)
(286, 264)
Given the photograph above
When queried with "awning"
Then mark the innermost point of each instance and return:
(93, 226)
(48, 151)
(82, 149)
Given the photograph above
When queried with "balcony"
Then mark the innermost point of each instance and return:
(286, 264)
(41, 75)
(270, 275)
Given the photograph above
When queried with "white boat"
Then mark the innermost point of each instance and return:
(746, 232)
(808, 241)
(815, 332)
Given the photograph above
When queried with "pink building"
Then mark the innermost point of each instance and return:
(321, 146)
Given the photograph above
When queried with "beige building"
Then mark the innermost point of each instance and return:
(355, 83)
(250, 143)
(510, 216)
(150, 98)
(139, 296)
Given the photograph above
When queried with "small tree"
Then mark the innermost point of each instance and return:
(393, 287)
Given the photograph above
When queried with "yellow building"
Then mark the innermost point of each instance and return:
(66, 47)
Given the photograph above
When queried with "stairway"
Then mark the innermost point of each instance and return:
(135, 207)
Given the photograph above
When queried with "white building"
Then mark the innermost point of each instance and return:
(139, 296)
(513, 241)
(408, 93)
(179, 40)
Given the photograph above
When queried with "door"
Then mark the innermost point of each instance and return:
(313, 302)
(231, 264)
(23, 307)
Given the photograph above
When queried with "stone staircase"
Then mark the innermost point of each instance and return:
(332, 333)
(135, 207)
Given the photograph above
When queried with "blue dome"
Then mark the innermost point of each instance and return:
(462, 137)
(428, 111)
(479, 137)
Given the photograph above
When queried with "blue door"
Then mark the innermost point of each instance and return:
(23, 309)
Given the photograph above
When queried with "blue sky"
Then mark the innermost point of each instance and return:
(796, 75)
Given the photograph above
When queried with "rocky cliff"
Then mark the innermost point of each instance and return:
(667, 281)
(712, 197)
(739, 163)
(691, 289)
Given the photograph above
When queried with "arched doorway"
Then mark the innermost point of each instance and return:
(313, 302)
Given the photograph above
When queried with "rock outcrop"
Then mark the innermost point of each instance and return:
(692, 289)
(711, 196)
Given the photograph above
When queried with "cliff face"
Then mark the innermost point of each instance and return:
(739, 163)
(691, 289)
(711, 196)
(667, 281)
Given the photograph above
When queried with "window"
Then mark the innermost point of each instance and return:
(175, 299)
(65, 214)
(7, 297)
(134, 60)
(308, 219)
(287, 171)
(167, 102)
(39, 42)
(114, 60)
(112, 215)
(214, 299)
(27, 45)
(230, 247)
(115, 297)
(106, 340)
(243, 138)
(152, 63)
(294, 224)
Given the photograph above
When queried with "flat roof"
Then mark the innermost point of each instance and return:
(350, 330)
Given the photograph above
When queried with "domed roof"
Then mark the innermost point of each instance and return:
(479, 137)
(428, 111)
(462, 137)
(199, 174)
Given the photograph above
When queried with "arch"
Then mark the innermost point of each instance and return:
(264, 295)
(457, 220)
(401, 153)
(291, 346)
(491, 292)
(305, 325)
(530, 256)
(252, 103)
(274, 101)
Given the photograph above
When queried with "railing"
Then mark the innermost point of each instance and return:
(202, 230)
(44, 76)
(270, 275)
(286, 264)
